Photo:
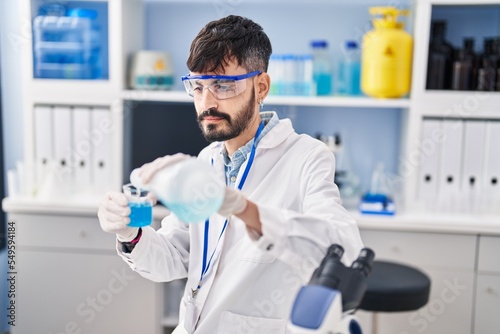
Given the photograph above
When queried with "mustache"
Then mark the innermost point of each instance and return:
(214, 113)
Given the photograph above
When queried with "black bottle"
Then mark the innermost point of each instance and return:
(487, 72)
(465, 67)
(495, 56)
(498, 80)
(495, 52)
(440, 61)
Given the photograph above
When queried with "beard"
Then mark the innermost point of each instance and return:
(236, 124)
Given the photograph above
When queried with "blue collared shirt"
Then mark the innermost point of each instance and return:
(233, 164)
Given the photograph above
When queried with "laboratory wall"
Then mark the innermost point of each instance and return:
(11, 126)
(370, 135)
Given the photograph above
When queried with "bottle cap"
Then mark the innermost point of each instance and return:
(351, 45)
(319, 43)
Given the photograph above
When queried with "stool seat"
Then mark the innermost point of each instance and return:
(394, 287)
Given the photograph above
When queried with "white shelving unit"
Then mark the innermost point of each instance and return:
(124, 31)
(126, 36)
(308, 101)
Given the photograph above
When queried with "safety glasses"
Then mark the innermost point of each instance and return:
(221, 86)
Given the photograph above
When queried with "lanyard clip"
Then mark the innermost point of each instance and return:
(194, 292)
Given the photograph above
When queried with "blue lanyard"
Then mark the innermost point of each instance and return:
(205, 265)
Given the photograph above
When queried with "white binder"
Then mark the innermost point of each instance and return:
(472, 163)
(450, 164)
(82, 148)
(44, 152)
(474, 139)
(431, 147)
(101, 157)
(491, 171)
(62, 145)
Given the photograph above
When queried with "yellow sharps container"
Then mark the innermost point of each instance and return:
(386, 56)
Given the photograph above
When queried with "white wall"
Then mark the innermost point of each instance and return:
(371, 136)
(11, 37)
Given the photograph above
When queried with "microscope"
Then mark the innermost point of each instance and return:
(327, 303)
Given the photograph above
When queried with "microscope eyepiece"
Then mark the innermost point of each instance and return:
(364, 262)
(335, 251)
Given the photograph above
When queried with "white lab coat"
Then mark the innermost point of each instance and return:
(252, 281)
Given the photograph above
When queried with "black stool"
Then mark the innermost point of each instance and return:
(394, 287)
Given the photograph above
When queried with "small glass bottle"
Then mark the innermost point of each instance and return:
(440, 61)
(463, 67)
(487, 73)
(486, 76)
(496, 60)
(322, 67)
(350, 70)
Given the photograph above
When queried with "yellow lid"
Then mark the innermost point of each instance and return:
(389, 17)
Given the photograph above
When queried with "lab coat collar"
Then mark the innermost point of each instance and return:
(277, 135)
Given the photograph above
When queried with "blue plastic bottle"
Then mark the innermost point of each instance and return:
(189, 189)
(322, 68)
(350, 70)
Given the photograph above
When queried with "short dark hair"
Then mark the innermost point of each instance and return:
(230, 38)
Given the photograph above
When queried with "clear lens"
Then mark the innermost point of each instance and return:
(220, 88)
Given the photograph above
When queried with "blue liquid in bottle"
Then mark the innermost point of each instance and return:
(322, 72)
(141, 214)
(350, 71)
(323, 83)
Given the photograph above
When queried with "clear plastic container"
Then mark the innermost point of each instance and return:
(322, 67)
(289, 65)
(189, 189)
(276, 72)
(304, 75)
(350, 70)
(67, 47)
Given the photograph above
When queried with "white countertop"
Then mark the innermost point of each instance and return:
(432, 222)
(416, 222)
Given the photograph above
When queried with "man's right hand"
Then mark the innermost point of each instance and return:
(114, 214)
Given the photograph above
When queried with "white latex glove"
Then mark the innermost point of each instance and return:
(114, 214)
(234, 203)
(147, 171)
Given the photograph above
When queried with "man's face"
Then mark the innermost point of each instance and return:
(224, 119)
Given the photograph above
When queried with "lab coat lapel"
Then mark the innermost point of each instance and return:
(215, 227)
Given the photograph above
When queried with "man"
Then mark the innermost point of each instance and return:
(245, 266)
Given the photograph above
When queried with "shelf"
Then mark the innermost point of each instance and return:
(156, 95)
(338, 101)
(234, 3)
(323, 101)
(82, 205)
(464, 2)
(460, 104)
(72, 92)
